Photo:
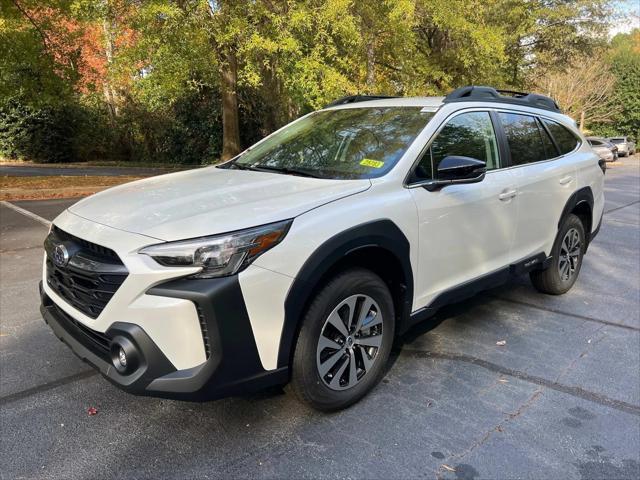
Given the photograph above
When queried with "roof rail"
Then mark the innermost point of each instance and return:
(490, 94)
(356, 98)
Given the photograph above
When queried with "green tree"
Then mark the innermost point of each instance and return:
(549, 34)
(625, 64)
(196, 80)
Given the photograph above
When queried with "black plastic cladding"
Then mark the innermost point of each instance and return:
(582, 196)
(380, 233)
(153, 363)
(234, 364)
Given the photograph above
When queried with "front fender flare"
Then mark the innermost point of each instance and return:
(379, 233)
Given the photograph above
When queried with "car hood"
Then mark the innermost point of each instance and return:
(209, 200)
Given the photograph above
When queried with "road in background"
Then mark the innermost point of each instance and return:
(560, 400)
(78, 171)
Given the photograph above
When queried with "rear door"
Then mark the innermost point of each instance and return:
(545, 176)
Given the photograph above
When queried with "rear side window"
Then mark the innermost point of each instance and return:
(565, 139)
(595, 143)
(524, 138)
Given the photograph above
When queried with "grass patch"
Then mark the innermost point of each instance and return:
(30, 188)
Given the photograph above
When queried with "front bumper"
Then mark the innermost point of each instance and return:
(233, 365)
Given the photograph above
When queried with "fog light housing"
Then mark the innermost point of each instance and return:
(124, 355)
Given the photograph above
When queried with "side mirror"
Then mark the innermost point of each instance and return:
(455, 170)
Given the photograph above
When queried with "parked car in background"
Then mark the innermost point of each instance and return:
(604, 148)
(625, 145)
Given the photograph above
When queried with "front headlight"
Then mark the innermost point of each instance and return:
(219, 255)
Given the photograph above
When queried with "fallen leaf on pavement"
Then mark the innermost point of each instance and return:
(92, 411)
(501, 343)
(447, 467)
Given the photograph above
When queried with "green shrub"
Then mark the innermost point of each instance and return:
(52, 133)
(187, 132)
(41, 134)
(194, 135)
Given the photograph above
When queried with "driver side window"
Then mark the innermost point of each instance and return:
(468, 135)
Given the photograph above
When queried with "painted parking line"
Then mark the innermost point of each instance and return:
(47, 386)
(26, 213)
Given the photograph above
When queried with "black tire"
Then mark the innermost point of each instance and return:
(551, 280)
(306, 381)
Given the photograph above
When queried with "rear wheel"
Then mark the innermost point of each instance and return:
(566, 259)
(345, 341)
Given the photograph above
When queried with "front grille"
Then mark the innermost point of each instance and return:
(95, 341)
(91, 276)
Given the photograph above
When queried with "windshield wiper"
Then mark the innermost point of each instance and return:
(240, 166)
(285, 170)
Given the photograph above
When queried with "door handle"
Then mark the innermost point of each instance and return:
(565, 180)
(507, 195)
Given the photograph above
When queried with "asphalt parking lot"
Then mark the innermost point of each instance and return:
(561, 400)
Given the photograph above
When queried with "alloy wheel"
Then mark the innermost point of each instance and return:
(569, 258)
(349, 342)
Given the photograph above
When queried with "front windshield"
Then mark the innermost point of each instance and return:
(342, 144)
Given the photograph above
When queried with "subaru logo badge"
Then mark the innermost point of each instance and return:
(60, 255)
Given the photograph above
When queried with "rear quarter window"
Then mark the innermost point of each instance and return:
(566, 140)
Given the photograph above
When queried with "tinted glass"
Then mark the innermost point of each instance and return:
(567, 141)
(617, 141)
(347, 143)
(523, 136)
(467, 135)
(595, 143)
(549, 148)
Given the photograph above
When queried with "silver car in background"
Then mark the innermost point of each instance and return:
(606, 150)
(625, 145)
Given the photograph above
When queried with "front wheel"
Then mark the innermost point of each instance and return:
(566, 259)
(345, 341)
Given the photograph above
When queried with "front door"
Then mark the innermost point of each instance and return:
(466, 231)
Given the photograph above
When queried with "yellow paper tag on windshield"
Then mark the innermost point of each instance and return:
(367, 162)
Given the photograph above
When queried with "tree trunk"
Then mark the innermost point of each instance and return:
(272, 111)
(110, 95)
(230, 115)
(582, 121)
(371, 60)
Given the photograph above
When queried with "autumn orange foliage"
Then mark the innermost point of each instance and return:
(78, 47)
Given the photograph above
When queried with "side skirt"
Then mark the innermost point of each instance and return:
(471, 288)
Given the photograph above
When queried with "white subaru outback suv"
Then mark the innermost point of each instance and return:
(300, 260)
